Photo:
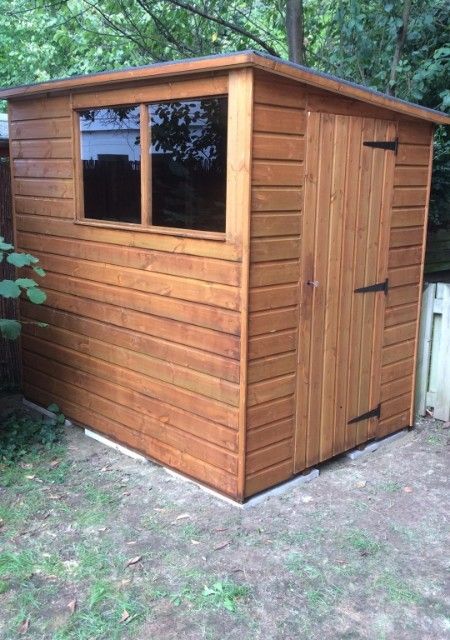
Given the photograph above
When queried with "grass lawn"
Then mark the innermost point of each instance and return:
(95, 545)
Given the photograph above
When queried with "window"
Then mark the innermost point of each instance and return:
(179, 183)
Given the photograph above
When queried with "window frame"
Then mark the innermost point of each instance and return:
(215, 90)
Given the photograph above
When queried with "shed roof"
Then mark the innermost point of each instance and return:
(225, 62)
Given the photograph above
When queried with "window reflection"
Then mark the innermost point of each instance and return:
(111, 159)
(188, 163)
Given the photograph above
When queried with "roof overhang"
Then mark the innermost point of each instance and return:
(224, 63)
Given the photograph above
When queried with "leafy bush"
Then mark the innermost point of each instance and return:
(23, 433)
(10, 328)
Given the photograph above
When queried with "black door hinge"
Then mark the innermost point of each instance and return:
(379, 286)
(388, 145)
(374, 413)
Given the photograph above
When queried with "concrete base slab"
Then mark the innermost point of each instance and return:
(44, 412)
(116, 446)
(373, 446)
(255, 500)
(282, 488)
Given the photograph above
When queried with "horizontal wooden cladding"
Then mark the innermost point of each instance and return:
(395, 388)
(273, 173)
(129, 238)
(44, 187)
(274, 224)
(271, 411)
(403, 295)
(406, 236)
(121, 387)
(45, 168)
(40, 149)
(171, 330)
(273, 320)
(203, 269)
(396, 352)
(278, 147)
(276, 199)
(394, 423)
(412, 154)
(278, 119)
(278, 272)
(159, 370)
(397, 370)
(39, 108)
(55, 207)
(409, 196)
(169, 286)
(399, 333)
(39, 128)
(175, 90)
(272, 366)
(405, 256)
(272, 344)
(407, 217)
(396, 405)
(415, 132)
(270, 389)
(268, 89)
(269, 455)
(268, 477)
(399, 315)
(270, 433)
(415, 176)
(172, 308)
(158, 349)
(404, 275)
(141, 414)
(151, 447)
(274, 297)
(267, 249)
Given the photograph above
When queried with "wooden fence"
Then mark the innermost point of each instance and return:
(10, 368)
(437, 256)
(433, 372)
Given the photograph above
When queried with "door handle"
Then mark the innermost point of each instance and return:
(313, 283)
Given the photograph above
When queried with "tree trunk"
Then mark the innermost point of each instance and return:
(294, 31)
(401, 37)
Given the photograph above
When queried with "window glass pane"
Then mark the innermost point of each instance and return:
(189, 140)
(111, 158)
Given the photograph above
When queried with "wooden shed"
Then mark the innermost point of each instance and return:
(234, 248)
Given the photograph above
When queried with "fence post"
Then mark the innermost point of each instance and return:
(424, 347)
(10, 363)
(442, 402)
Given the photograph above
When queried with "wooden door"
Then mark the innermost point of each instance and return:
(348, 194)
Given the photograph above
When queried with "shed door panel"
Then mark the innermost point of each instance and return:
(348, 194)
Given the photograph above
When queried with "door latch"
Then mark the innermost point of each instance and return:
(313, 283)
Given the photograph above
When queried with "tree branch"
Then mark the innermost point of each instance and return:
(294, 31)
(187, 6)
(401, 37)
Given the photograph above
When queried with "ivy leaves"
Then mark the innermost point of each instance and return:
(10, 328)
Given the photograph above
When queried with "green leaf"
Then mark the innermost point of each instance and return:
(5, 246)
(10, 329)
(26, 283)
(39, 270)
(9, 289)
(19, 259)
(42, 324)
(36, 295)
(53, 407)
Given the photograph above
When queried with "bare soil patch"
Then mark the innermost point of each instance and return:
(359, 553)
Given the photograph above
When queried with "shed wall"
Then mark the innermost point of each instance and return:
(143, 342)
(274, 319)
(277, 179)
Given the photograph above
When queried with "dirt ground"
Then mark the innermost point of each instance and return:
(96, 545)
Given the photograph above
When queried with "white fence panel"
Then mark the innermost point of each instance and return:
(433, 363)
